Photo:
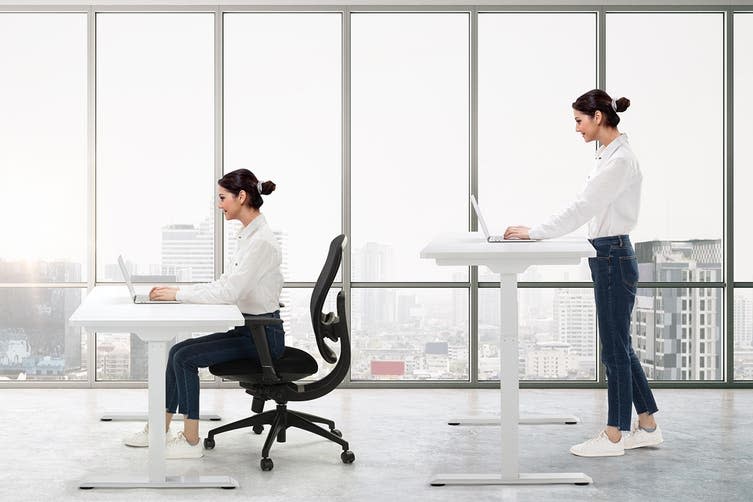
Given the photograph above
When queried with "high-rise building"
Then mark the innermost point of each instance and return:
(550, 360)
(188, 252)
(677, 331)
(743, 323)
(375, 262)
(575, 320)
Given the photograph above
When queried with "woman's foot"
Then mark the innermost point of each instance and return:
(640, 436)
(141, 439)
(180, 447)
(600, 446)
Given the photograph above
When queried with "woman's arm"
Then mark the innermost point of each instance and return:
(228, 289)
(600, 190)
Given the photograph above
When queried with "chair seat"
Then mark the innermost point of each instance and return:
(293, 365)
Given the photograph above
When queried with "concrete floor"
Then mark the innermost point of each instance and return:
(52, 439)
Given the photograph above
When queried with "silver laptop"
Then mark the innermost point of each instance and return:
(137, 298)
(482, 222)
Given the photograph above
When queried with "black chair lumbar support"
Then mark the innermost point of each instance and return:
(274, 380)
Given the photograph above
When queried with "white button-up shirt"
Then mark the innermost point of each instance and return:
(611, 198)
(254, 281)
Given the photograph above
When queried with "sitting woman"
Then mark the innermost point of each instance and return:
(253, 283)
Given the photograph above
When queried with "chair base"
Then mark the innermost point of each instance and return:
(279, 421)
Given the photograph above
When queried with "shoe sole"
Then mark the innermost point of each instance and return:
(642, 445)
(611, 454)
(136, 445)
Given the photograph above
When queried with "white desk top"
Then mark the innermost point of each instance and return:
(111, 308)
(471, 248)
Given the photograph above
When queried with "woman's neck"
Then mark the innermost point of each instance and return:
(248, 216)
(608, 135)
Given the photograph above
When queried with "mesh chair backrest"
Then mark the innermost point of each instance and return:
(319, 296)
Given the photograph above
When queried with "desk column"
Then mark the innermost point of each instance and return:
(508, 375)
(157, 363)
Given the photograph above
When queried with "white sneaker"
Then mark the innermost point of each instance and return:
(179, 447)
(638, 438)
(141, 439)
(600, 446)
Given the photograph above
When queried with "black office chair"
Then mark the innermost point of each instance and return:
(265, 379)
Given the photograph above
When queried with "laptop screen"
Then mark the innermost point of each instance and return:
(126, 275)
(481, 221)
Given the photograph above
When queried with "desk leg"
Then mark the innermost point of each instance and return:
(508, 375)
(509, 408)
(157, 363)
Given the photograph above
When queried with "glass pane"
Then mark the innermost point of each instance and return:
(743, 334)
(283, 121)
(123, 356)
(36, 342)
(743, 81)
(528, 77)
(410, 334)
(675, 121)
(678, 332)
(43, 193)
(556, 332)
(155, 127)
(409, 151)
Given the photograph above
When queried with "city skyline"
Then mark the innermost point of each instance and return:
(557, 325)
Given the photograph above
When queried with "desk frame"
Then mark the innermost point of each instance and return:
(508, 348)
(157, 334)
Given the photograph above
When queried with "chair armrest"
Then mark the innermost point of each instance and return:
(259, 335)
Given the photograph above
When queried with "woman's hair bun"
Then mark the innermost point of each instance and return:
(622, 104)
(268, 187)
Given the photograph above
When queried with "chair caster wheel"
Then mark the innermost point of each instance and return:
(267, 464)
(258, 429)
(208, 444)
(348, 456)
(337, 432)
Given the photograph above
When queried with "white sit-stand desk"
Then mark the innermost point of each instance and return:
(508, 260)
(111, 309)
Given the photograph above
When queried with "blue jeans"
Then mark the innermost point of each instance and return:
(614, 271)
(186, 357)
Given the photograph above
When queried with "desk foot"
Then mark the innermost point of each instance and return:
(125, 416)
(567, 478)
(530, 420)
(169, 482)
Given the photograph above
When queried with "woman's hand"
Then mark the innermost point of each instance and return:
(518, 232)
(163, 293)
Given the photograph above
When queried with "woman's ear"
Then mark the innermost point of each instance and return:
(241, 196)
(597, 117)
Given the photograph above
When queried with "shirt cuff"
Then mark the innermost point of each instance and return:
(535, 233)
(180, 295)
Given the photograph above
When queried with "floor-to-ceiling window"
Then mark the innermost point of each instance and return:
(531, 163)
(43, 194)
(671, 67)
(155, 192)
(743, 203)
(282, 76)
(409, 181)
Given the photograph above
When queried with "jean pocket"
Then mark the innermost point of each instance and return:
(629, 272)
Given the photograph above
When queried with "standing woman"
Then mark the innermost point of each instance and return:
(253, 282)
(609, 202)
